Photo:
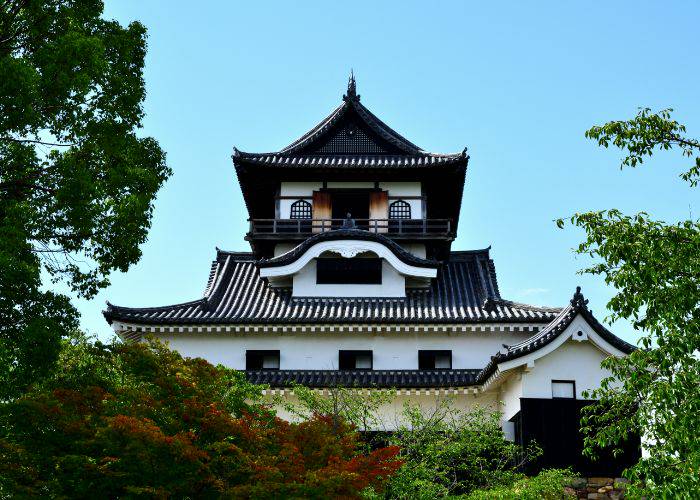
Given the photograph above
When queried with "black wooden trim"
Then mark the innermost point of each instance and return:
(429, 379)
(554, 424)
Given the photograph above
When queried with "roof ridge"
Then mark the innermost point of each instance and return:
(111, 307)
(464, 253)
(234, 253)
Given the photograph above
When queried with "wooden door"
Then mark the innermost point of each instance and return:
(321, 211)
(379, 211)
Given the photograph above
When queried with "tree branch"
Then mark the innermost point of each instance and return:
(43, 143)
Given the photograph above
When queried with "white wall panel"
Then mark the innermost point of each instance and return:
(319, 351)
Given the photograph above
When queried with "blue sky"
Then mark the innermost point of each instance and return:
(517, 83)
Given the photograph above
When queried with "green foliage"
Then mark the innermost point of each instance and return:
(139, 420)
(645, 133)
(356, 406)
(450, 452)
(77, 184)
(547, 485)
(655, 268)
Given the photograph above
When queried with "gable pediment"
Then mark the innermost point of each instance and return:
(352, 139)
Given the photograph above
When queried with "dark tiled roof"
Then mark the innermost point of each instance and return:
(347, 234)
(351, 129)
(355, 161)
(364, 378)
(577, 305)
(351, 103)
(465, 291)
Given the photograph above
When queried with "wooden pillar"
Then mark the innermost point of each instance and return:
(379, 210)
(321, 212)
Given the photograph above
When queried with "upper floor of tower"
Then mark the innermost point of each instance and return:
(352, 171)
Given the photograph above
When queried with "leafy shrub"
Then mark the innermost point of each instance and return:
(547, 485)
(451, 452)
(140, 420)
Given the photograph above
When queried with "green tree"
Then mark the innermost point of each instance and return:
(655, 269)
(77, 184)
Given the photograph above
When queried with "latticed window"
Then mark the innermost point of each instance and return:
(399, 210)
(301, 209)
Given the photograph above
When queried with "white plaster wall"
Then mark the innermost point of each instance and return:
(299, 188)
(510, 393)
(396, 188)
(417, 249)
(281, 248)
(406, 189)
(319, 351)
(391, 414)
(573, 360)
(393, 285)
(306, 189)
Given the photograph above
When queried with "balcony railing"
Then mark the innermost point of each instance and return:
(391, 227)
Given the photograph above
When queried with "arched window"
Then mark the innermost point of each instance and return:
(399, 210)
(301, 209)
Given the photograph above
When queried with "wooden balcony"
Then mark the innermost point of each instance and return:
(298, 229)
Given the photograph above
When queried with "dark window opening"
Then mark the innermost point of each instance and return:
(355, 271)
(400, 210)
(563, 389)
(300, 209)
(351, 201)
(262, 360)
(354, 360)
(434, 360)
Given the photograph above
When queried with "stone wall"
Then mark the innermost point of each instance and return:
(597, 488)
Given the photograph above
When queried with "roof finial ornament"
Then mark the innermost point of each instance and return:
(352, 88)
(578, 300)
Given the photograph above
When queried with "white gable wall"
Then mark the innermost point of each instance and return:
(577, 361)
(393, 284)
(575, 355)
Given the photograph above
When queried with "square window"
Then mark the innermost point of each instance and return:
(442, 361)
(563, 389)
(434, 360)
(271, 361)
(363, 361)
(354, 360)
(262, 360)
